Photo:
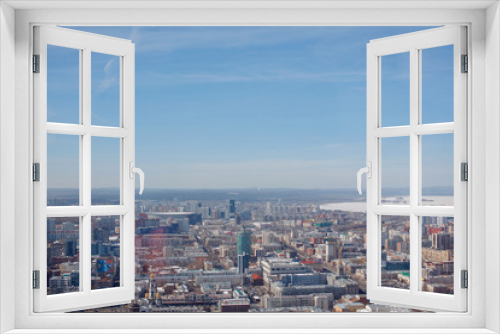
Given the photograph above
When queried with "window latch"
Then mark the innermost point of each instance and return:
(132, 171)
(368, 171)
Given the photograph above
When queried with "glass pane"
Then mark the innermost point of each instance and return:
(437, 169)
(105, 171)
(105, 90)
(105, 252)
(63, 250)
(63, 85)
(395, 169)
(395, 252)
(395, 89)
(437, 254)
(63, 170)
(437, 84)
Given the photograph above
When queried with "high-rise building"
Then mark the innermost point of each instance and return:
(242, 263)
(205, 212)
(230, 208)
(330, 251)
(70, 247)
(244, 242)
(100, 235)
(244, 249)
(192, 206)
(441, 240)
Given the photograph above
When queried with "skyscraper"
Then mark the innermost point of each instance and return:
(244, 242)
(69, 247)
(244, 248)
(242, 263)
(441, 240)
(230, 208)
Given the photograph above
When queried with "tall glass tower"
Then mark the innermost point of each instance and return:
(244, 243)
(244, 248)
(231, 208)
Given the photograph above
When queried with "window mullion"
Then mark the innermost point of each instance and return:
(415, 167)
(86, 254)
(85, 152)
(85, 176)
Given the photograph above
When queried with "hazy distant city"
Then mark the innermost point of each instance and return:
(249, 250)
(258, 109)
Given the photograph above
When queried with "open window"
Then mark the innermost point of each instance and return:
(405, 137)
(84, 118)
(94, 135)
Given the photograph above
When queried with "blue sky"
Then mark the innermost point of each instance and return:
(240, 107)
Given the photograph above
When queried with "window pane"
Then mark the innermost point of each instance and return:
(63, 170)
(395, 169)
(395, 252)
(63, 250)
(437, 84)
(105, 252)
(105, 90)
(395, 89)
(437, 169)
(437, 254)
(105, 171)
(63, 85)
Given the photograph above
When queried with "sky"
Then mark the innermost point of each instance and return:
(250, 107)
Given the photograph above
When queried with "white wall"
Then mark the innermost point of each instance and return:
(7, 160)
(23, 157)
(492, 163)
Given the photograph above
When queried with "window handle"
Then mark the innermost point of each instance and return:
(368, 171)
(132, 171)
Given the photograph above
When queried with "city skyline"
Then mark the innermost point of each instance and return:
(227, 255)
(250, 107)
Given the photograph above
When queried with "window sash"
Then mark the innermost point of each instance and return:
(86, 43)
(413, 43)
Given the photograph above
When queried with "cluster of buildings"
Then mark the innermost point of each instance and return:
(229, 256)
(63, 254)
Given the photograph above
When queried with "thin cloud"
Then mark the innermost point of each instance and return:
(106, 83)
(135, 35)
(226, 38)
(270, 76)
(108, 65)
(107, 77)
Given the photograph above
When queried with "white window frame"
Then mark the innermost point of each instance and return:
(481, 17)
(86, 44)
(414, 43)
